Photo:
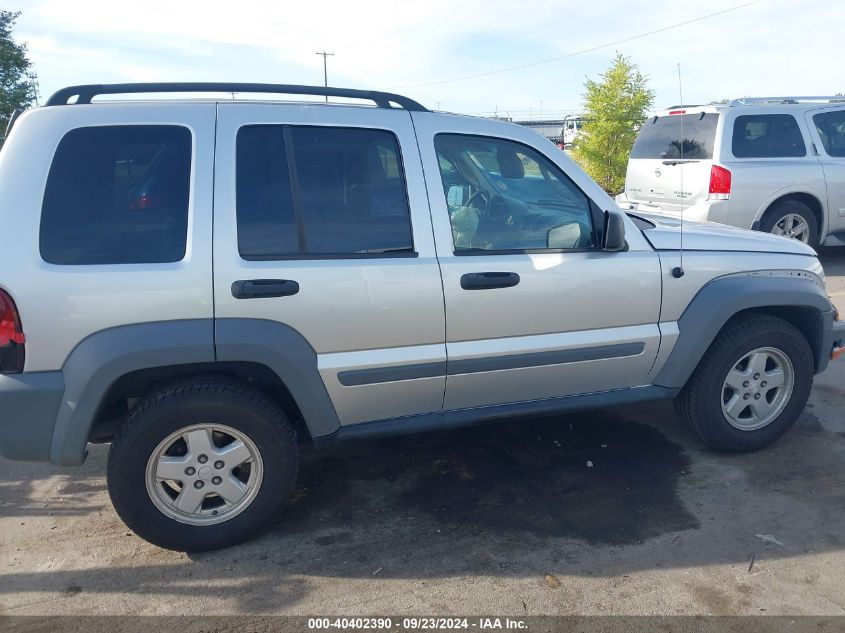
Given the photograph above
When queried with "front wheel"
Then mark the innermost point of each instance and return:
(751, 385)
(202, 464)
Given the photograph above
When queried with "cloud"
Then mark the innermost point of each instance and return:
(773, 47)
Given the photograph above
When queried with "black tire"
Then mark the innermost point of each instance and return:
(201, 400)
(700, 402)
(795, 207)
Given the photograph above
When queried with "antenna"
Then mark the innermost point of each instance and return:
(678, 271)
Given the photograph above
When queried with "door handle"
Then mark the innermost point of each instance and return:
(483, 281)
(254, 288)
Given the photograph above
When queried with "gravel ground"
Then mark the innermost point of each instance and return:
(505, 519)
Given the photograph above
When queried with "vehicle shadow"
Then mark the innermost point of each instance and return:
(69, 495)
(603, 493)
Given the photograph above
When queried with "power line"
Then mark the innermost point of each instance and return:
(586, 50)
(325, 69)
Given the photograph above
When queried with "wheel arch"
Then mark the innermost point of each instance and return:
(810, 199)
(114, 362)
(795, 296)
(128, 389)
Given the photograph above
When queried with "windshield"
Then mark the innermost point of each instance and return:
(660, 137)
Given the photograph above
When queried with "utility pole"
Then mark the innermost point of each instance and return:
(325, 70)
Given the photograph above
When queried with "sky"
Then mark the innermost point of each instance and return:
(430, 51)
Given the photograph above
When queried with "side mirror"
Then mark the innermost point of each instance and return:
(614, 232)
(456, 195)
(564, 236)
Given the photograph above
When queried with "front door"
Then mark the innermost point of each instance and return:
(321, 223)
(534, 308)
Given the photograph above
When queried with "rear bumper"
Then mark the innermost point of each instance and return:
(835, 339)
(28, 407)
(709, 210)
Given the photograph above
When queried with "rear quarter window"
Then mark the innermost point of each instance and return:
(767, 136)
(831, 129)
(118, 195)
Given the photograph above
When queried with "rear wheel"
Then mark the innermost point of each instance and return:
(751, 385)
(793, 219)
(202, 464)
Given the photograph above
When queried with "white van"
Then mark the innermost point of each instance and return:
(770, 164)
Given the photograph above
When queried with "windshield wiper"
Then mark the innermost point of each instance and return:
(400, 249)
(680, 161)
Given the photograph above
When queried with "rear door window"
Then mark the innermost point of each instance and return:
(675, 136)
(831, 129)
(118, 195)
(767, 136)
(320, 192)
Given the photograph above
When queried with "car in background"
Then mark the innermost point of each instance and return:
(771, 164)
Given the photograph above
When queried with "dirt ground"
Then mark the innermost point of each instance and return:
(505, 519)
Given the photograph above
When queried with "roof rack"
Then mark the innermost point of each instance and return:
(785, 100)
(84, 94)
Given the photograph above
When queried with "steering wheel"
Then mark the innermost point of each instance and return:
(483, 196)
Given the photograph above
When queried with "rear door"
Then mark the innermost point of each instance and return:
(329, 203)
(827, 129)
(671, 159)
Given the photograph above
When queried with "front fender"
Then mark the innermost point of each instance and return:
(724, 297)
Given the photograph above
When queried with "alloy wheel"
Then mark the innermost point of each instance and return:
(757, 388)
(793, 226)
(204, 474)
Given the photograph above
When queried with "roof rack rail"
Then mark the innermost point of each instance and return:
(786, 100)
(85, 93)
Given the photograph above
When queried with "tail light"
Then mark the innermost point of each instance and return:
(12, 338)
(720, 183)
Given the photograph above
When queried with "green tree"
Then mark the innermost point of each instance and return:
(615, 108)
(18, 84)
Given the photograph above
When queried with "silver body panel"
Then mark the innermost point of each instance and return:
(465, 390)
(701, 267)
(709, 236)
(62, 305)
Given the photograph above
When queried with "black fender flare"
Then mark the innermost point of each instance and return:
(287, 353)
(724, 297)
(100, 359)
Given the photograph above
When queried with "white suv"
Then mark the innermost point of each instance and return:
(771, 164)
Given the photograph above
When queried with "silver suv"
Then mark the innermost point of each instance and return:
(771, 164)
(206, 284)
